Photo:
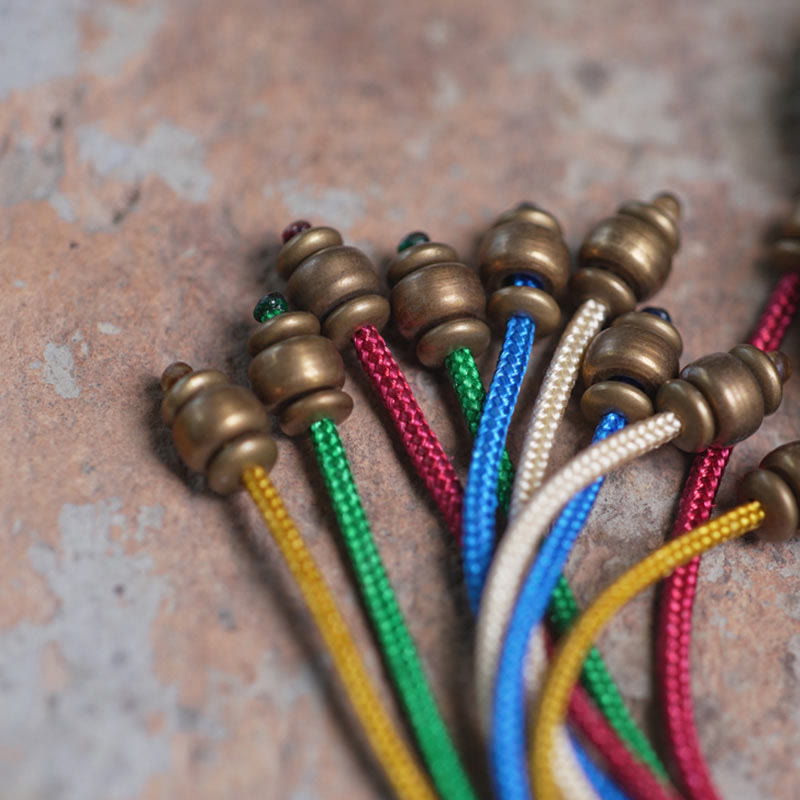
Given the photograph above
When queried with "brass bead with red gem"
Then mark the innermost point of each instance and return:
(723, 398)
(524, 241)
(627, 257)
(219, 428)
(626, 364)
(297, 373)
(336, 283)
(437, 302)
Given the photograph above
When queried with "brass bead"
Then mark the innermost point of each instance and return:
(781, 515)
(639, 346)
(435, 345)
(214, 417)
(605, 287)
(622, 398)
(785, 461)
(637, 244)
(295, 367)
(695, 414)
(419, 255)
(283, 326)
(181, 391)
(786, 251)
(435, 294)
(524, 241)
(299, 416)
(330, 277)
(737, 392)
(343, 322)
(766, 372)
(224, 473)
(528, 300)
(300, 247)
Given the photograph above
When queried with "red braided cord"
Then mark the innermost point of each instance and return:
(632, 776)
(675, 618)
(423, 447)
(436, 471)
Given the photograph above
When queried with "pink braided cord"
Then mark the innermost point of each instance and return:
(423, 447)
(673, 648)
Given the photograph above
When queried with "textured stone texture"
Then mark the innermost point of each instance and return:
(150, 151)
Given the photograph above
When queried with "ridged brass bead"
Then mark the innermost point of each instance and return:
(690, 407)
(785, 461)
(437, 302)
(603, 286)
(323, 276)
(297, 375)
(295, 367)
(786, 251)
(208, 415)
(738, 388)
(779, 499)
(616, 396)
(224, 473)
(528, 300)
(637, 244)
(434, 346)
(525, 240)
(639, 346)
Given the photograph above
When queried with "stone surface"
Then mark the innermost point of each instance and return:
(151, 645)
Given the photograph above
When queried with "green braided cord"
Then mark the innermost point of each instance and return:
(398, 648)
(599, 683)
(466, 380)
(596, 678)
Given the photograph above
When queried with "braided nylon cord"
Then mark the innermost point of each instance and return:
(397, 645)
(507, 740)
(466, 380)
(424, 449)
(566, 666)
(468, 385)
(674, 633)
(480, 497)
(524, 535)
(401, 769)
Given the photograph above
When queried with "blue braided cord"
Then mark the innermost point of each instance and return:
(480, 496)
(507, 745)
(602, 783)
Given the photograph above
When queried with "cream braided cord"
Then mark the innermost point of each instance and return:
(552, 401)
(519, 545)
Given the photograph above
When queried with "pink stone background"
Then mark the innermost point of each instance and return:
(151, 645)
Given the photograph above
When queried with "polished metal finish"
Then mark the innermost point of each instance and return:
(605, 287)
(434, 346)
(524, 241)
(785, 461)
(295, 367)
(690, 407)
(637, 244)
(224, 473)
(781, 514)
(435, 294)
(340, 325)
(280, 327)
(621, 398)
(527, 300)
(766, 372)
(300, 247)
(182, 390)
(299, 416)
(638, 346)
(214, 417)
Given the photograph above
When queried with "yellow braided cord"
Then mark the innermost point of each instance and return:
(566, 666)
(394, 756)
